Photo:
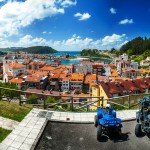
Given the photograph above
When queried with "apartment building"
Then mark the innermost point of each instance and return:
(131, 90)
(76, 81)
(130, 73)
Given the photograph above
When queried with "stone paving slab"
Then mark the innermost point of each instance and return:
(25, 134)
(8, 123)
(89, 117)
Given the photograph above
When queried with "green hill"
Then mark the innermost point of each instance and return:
(37, 50)
(93, 53)
(136, 46)
(32, 49)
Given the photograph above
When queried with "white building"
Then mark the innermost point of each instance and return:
(65, 84)
(124, 56)
(11, 69)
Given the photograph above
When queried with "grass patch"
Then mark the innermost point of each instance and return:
(13, 111)
(3, 134)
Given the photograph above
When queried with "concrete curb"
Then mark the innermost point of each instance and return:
(86, 122)
(39, 135)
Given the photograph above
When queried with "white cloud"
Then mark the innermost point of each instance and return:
(75, 42)
(44, 32)
(113, 11)
(66, 3)
(83, 16)
(16, 15)
(126, 21)
(112, 39)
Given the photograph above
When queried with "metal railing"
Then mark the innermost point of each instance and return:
(91, 104)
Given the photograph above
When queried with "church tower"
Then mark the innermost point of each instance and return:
(5, 65)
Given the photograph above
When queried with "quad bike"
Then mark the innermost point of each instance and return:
(106, 121)
(143, 117)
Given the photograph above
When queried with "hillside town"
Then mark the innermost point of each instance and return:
(121, 77)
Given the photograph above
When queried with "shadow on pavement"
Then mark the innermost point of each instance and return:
(142, 135)
(148, 135)
(115, 137)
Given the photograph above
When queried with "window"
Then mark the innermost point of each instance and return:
(135, 92)
(94, 89)
(138, 100)
(124, 91)
(115, 95)
(146, 91)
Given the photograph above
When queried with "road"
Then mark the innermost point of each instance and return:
(68, 136)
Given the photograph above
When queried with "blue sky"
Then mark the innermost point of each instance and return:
(73, 24)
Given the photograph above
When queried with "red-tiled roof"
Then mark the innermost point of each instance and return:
(16, 80)
(33, 78)
(47, 68)
(16, 65)
(9, 74)
(129, 86)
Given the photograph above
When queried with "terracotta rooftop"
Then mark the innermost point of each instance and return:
(47, 68)
(37, 63)
(89, 78)
(16, 80)
(16, 65)
(77, 77)
(33, 78)
(9, 74)
(114, 73)
(27, 61)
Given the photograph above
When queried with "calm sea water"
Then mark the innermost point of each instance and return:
(71, 61)
(71, 53)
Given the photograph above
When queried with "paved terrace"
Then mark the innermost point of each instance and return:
(27, 133)
(8, 123)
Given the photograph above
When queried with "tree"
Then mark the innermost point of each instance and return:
(51, 100)
(10, 94)
(130, 52)
(85, 91)
(136, 46)
(112, 50)
(77, 92)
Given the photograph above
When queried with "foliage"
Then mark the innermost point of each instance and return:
(9, 93)
(93, 53)
(129, 52)
(77, 92)
(33, 99)
(136, 46)
(2, 53)
(51, 100)
(37, 50)
(117, 107)
(85, 91)
(114, 51)
(3, 134)
(13, 110)
(143, 56)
